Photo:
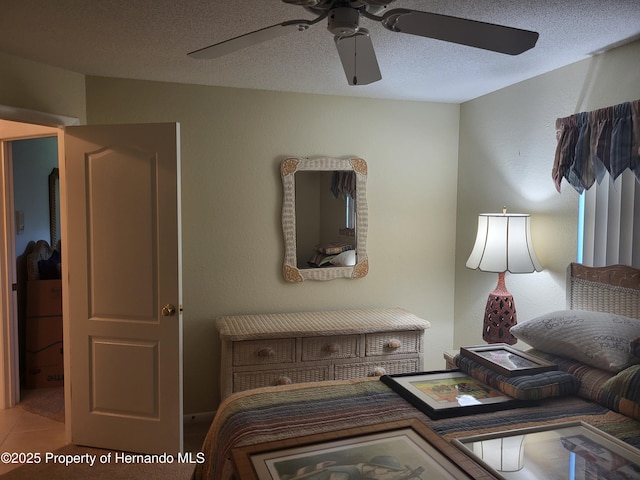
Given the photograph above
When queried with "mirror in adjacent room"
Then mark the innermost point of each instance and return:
(54, 207)
(324, 218)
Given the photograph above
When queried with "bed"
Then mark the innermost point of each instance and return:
(602, 390)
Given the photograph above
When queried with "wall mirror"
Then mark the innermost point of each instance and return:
(324, 218)
(54, 206)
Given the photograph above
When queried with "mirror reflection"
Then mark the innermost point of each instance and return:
(325, 223)
(54, 206)
(324, 218)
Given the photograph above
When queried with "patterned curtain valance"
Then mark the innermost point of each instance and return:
(590, 144)
(343, 184)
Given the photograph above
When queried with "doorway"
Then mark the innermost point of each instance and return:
(38, 268)
(13, 131)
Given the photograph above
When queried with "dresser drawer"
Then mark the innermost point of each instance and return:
(323, 348)
(248, 380)
(388, 343)
(264, 352)
(375, 369)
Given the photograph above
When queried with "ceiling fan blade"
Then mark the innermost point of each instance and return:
(358, 58)
(252, 38)
(488, 36)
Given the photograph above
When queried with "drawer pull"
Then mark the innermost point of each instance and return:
(266, 352)
(377, 372)
(284, 381)
(332, 348)
(394, 343)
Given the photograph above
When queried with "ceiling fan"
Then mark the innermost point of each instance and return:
(354, 43)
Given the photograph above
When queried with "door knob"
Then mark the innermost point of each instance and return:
(168, 310)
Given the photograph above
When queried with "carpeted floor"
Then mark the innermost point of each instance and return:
(46, 402)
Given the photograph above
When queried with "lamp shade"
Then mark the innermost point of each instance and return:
(503, 244)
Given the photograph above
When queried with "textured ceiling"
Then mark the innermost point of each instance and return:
(150, 39)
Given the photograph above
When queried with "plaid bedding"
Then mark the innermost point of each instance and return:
(276, 413)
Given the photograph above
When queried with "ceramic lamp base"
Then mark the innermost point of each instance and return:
(499, 315)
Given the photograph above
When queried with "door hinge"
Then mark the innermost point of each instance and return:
(14, 287)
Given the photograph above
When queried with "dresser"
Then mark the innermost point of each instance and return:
(284, 348)
(43, 342)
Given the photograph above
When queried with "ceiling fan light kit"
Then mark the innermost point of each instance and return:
(354, 44)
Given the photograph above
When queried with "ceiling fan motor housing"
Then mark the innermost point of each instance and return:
(343, 21)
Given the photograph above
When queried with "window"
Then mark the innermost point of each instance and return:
(609, 222)
(350, 212)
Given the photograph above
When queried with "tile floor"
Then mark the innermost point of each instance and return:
(22, 431)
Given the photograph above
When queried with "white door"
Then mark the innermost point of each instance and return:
(122, 187)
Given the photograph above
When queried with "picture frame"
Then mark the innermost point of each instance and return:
(507, 360)
(408, 445)
(564, 450)
(449, 393)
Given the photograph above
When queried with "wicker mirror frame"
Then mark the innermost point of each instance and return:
(288, 169)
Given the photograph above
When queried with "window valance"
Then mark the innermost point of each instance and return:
(343, 184)
(590, 144)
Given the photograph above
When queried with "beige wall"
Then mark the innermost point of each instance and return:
(35, 86)
(507, 145)
(233, 141)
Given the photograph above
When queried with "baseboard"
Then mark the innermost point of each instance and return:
(199, 417)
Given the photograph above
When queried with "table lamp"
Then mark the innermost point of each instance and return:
(503, 244)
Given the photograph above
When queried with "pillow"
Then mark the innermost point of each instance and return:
(345, 259)
(599, 339)
(320, 260)
(622, 392)
(590, 378)
(555, 383)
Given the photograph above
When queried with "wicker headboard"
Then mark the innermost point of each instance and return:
(613, 289)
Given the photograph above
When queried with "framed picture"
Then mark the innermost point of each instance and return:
(404, 449)
(565, 450)
(506, 360)
(449, 393)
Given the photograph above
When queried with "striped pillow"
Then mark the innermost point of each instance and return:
(591, 379)
(525, 387)
(622, 392)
